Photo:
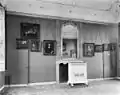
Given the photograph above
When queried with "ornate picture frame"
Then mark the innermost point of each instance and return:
(35, 45)
(88, 49)
(49, 47)
(98, 48)
(30, 30)
(21, 43)
(106, 47)
(113, 46)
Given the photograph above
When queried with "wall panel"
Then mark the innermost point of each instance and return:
(43, 68)
(98, 34)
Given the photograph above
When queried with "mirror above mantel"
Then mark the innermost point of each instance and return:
(69, 40)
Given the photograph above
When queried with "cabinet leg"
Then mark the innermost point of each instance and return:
(68, 83)
(72, 84)
(86, 84)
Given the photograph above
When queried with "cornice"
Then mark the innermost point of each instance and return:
(64, 11)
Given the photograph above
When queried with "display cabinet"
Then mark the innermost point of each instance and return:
(77, 72)
(76, 69)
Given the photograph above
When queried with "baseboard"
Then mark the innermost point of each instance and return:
(42, 83)
(30, 84)
(16, 85)
(99, 79)
(117, 77)
(2, 88)
(54, 82)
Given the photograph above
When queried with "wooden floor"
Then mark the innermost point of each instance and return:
(107, 87)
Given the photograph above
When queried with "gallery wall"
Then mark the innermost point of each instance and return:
(43, 68)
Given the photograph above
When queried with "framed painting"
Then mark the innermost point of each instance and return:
(49, 47)
(106, 47)
(30, 30)
(98, 48)
(113, 46)
(21, 43)
(35, 45)
(88, 49)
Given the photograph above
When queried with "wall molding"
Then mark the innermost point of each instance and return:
(42, 83)
(99, 79)
(16, 85)
(31, 84)
(60, 18)
(54, 82)
(69, 12)
(118, 78)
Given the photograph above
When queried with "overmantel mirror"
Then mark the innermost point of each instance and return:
(69, 40)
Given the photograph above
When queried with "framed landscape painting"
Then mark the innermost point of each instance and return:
(21, 43)
(98, 48)
(30, 30)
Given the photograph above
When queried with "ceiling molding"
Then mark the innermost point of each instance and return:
(109, 13)
(59, 18)
(92, 4)
(59, 11)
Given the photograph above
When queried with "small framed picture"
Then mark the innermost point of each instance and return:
(35, 45)
(98, 48)
(49, 47)
(106, 47)
(113, 46)
(88, 49)
(21, 43)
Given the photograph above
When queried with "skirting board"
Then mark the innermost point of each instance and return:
(42, 83)
(98, 79)
(2, 88)
(118, 78)
(54, 82)
(16, 85)
(30, 84)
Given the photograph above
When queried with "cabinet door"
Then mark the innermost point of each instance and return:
(77, 72)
